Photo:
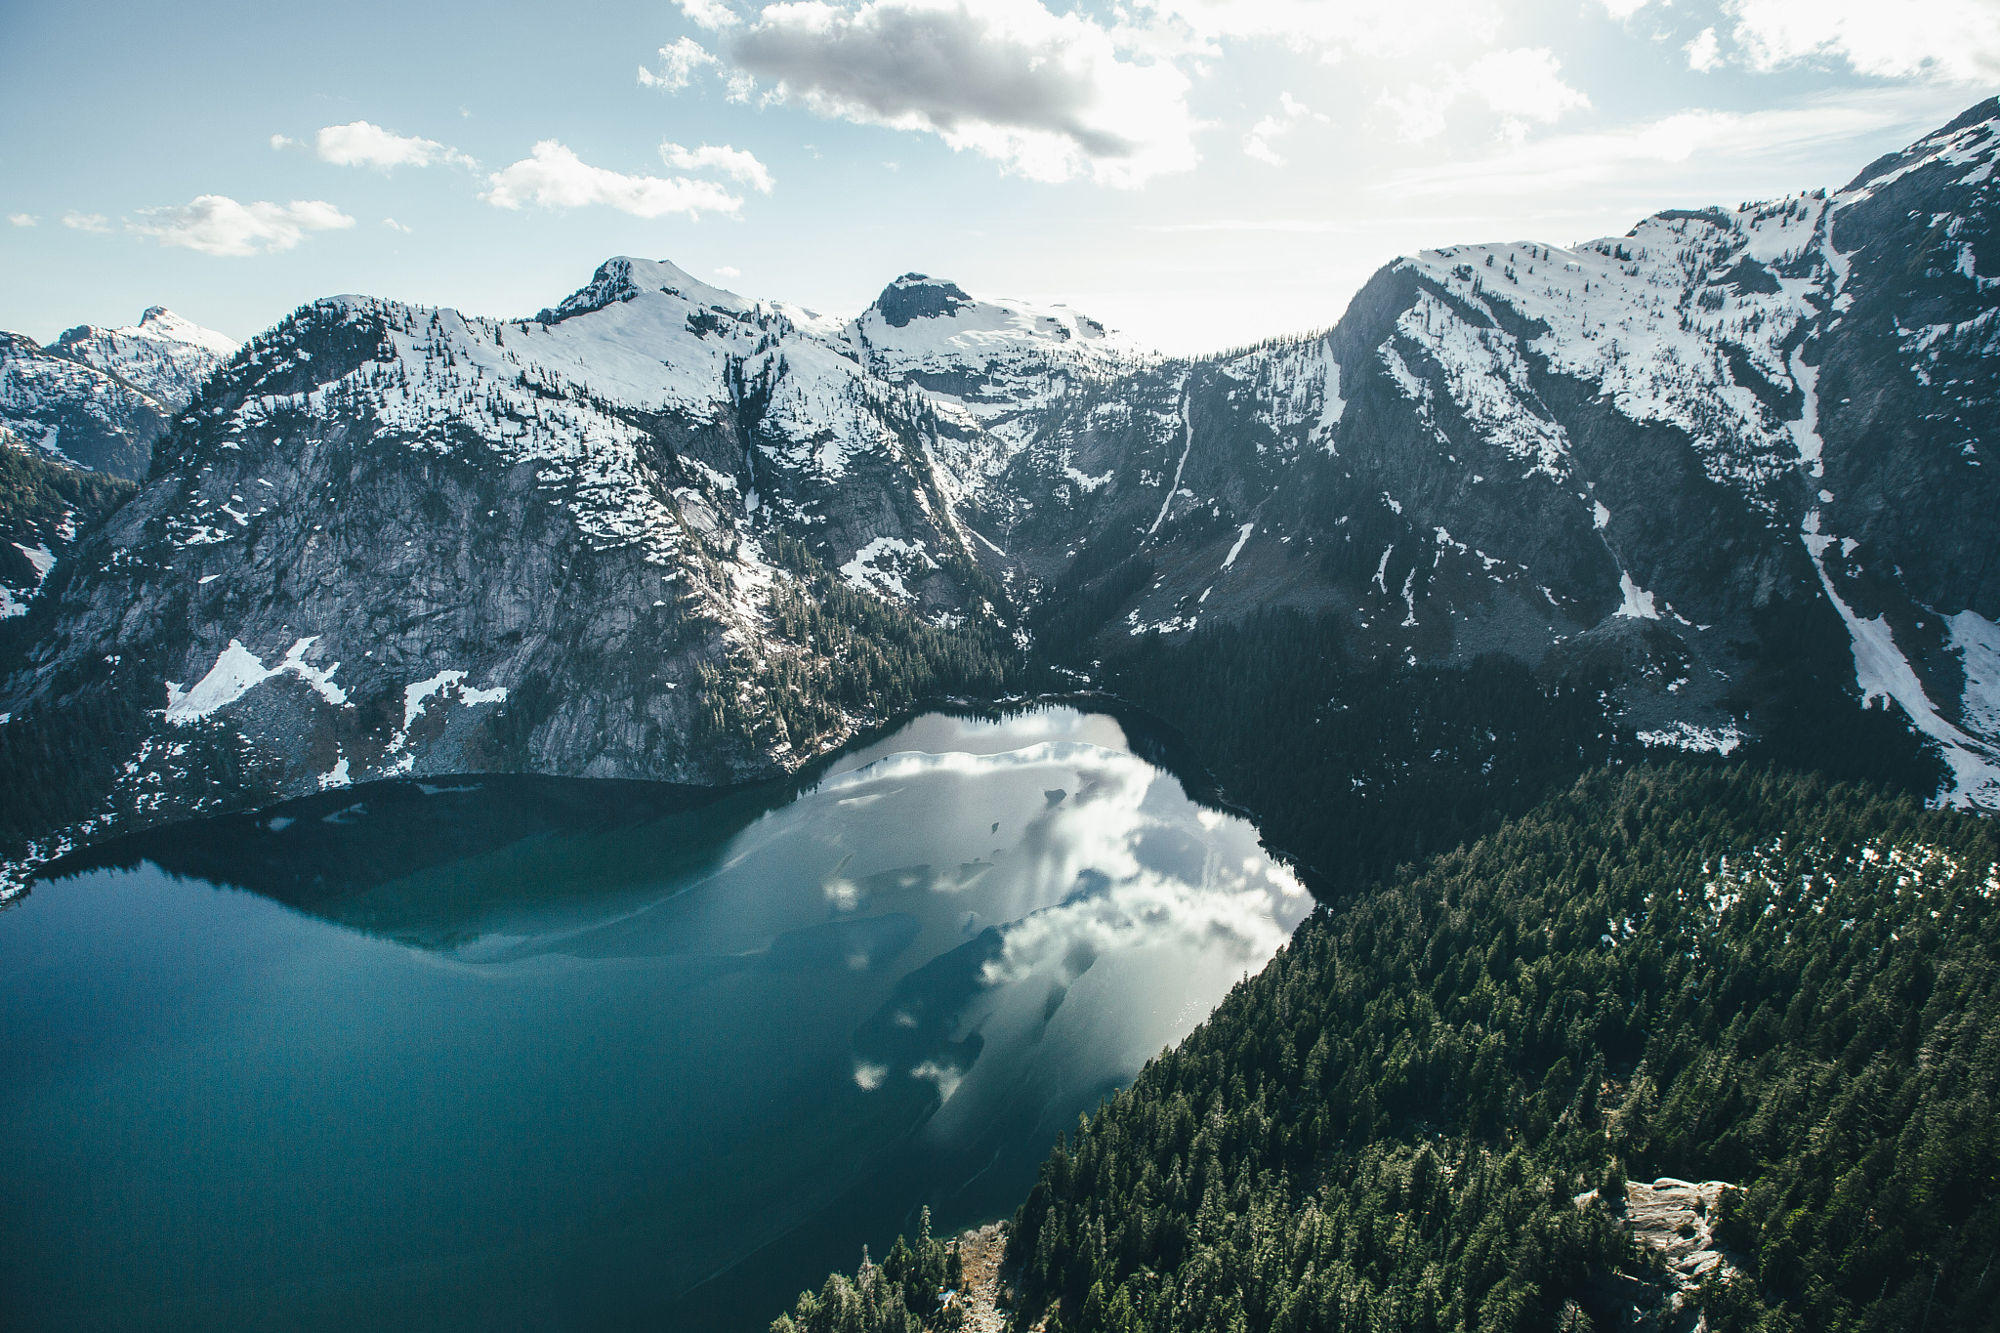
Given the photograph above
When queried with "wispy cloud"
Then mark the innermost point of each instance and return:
(1704, 53)
(1523, 86)
(710, 14)
(394, 225)
(554, 177)
(215, 224)
(679, 64)
(22, 219)
(1955, 41)
(91, 222)
(1334, 29)
(360, 143)
(1636, 153)
(1260, 142)
(736, 163)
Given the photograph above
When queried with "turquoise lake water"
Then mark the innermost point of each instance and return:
(519, 1053)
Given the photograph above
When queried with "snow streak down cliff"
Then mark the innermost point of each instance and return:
(1684, 457)
(627, 536)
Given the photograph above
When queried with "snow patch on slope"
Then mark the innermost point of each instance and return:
(237, 671)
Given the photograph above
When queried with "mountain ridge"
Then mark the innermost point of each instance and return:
(605, 540)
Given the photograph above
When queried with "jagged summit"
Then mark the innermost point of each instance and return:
(916, 296)
(157, 325)
(1973, 131)
(985, 361)
(625, 278)
(917, 310)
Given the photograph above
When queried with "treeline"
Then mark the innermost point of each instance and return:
(916, 1289)
(37, 494)
(1732, 974)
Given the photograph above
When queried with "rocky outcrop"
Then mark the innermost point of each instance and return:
(1672, 1224)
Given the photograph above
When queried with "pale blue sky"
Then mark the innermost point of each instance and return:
(1108, 155)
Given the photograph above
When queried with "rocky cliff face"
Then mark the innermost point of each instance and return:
(663, 531)
(1682, 456)
(625, 538)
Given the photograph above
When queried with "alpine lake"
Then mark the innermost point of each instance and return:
(508, 1052)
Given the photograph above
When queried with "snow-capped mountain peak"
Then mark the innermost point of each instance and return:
(625, 278)
(160, 324)
(983, 362)
(159, 332)
(98, 398)
(163, 356)
(918, 316)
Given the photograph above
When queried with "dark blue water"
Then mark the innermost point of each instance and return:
(509, 1053)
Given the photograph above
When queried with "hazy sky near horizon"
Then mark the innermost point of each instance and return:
(1199, 173)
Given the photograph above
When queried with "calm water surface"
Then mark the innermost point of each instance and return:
(524, 1053)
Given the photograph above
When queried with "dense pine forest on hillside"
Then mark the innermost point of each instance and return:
(1357, 768)
(1423, 1113)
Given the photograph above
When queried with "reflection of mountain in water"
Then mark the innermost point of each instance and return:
(779, 1019)
(431, 863)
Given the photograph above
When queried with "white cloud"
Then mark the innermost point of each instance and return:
(709, 14)
(394, 225)
(554, 177)
(1954, 41)
(22, 219)
(91, 222)
(1335, 29)
(1704, 53)
(1623, 9)
(215, 224)
(678, 65)
(1418, 111)
(736, 163)
(1050, 96)
(361, 144)
(1290, 114)
(1525, 83)
(1523, 86)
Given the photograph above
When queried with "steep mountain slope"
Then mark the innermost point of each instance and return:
(99, 398)
(988, 365)
(163, 356)
(1698, 458)
(392, 540)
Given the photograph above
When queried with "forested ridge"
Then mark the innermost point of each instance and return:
(1422, 1113)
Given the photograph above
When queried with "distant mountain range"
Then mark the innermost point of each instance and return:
(99, 398)
(663, 531)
